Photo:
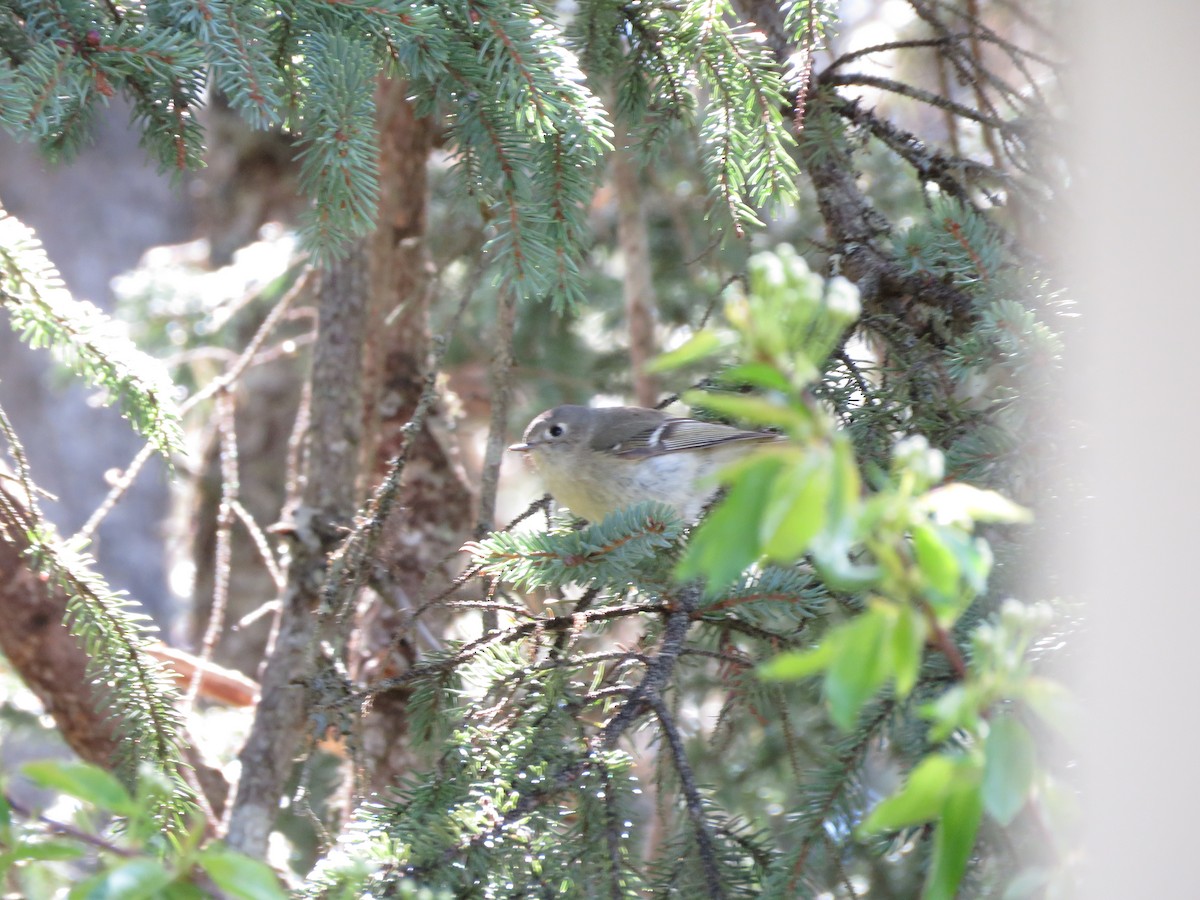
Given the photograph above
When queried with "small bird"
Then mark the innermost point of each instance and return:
(599, 460)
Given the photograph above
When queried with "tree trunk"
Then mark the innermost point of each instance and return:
(432, 518)
(328, 503)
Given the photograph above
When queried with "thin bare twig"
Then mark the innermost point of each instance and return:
(223, 552)
(62, 828)
(861, 79)
(224, 382)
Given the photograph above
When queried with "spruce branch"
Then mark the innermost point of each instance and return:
(862, 79)
(44, 313)
(248, 357)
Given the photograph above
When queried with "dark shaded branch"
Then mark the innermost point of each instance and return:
(612, 838)
(861, 79)
(691, 799)
(641, 698)
(567, 622)
(658, 671)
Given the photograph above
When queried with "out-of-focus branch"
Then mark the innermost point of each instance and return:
(45, 654)
(637, 282)
(51, 662)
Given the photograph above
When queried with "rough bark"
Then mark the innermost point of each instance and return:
(46, 655)
(432, 517)
(637, 282)
(52, 664)
(327, 503)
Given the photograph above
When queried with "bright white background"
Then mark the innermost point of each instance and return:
(1134, 243)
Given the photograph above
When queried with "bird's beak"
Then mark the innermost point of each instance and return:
(520, 448)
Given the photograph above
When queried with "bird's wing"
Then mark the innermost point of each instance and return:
(672, 435)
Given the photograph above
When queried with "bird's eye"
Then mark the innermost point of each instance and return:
(556, 431)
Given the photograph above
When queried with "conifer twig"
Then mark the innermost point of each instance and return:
(691, 798)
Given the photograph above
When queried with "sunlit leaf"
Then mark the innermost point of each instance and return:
(45, 850)
(83, 781)
(759, 374)
(920, 800)
(936, 561)
(797, 664)
(964, 504)
(797, 509)
(240, 876)
(908, 643)
(701, 345)
(861, 665)
(723, 545)
(751, 410)
(954, 838)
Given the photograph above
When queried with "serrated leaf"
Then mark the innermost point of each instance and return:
(1009, 768)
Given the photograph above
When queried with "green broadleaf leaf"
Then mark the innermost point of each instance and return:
(57, 849)
(240, 876)
(955, 836)
(937, 563)
(1009, 768)
(83, 781)
(832, 547)
(919, 801)
(796, 511)
(700, 345)
(908, 642)
(759, 374)
(964, 504)
(129, 880)
(797, 664)
(751, 410)
(957, 707)
(727, 541)
(861, 665)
